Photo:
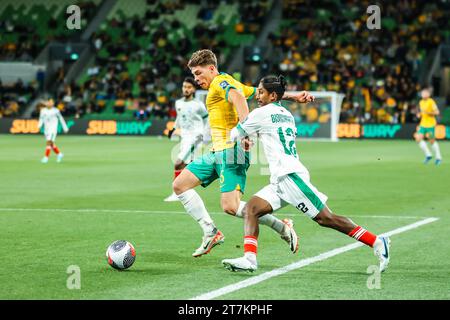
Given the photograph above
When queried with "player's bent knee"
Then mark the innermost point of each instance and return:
(178, 186)
(251, 209)
(185, 181)
(230, 202)
(230, 212)
(418, 137)
(229, 209)
(324, 218)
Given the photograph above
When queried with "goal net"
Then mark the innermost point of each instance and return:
(314, 120)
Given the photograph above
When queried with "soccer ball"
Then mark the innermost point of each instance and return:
(121, 254)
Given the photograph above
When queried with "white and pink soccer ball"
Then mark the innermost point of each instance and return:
(121, 254)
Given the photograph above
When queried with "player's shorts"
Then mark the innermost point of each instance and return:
(229, 166)
(188, 147)
(50, 135)
(296, 190)
(427, 132)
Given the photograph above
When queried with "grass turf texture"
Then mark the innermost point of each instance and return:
(363, 179)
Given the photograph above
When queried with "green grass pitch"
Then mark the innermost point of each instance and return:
(55, 215)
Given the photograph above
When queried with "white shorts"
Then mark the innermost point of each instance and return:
(188, 147)
(296, 190)
(50, 136)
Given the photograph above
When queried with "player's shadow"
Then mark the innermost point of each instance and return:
(158, 263)
(166, 263)
(153, 271)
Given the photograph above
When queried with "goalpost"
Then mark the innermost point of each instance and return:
(316, 120)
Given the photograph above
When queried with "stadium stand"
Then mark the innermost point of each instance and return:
(14, 98)
(142, 52)
(25, 29)
(377, 70)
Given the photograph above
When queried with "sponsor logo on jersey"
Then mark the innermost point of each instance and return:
(223, 84)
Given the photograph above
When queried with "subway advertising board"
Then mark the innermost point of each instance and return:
(88, 127)
(160, 127)
(386, 131)
(313, 130)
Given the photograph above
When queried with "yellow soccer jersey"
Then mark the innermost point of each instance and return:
(427, 105)
(223, 115)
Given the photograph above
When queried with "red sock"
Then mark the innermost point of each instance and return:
(176, 173)
(250, 244)
(47, 151)
(363, 235)
(55, 149)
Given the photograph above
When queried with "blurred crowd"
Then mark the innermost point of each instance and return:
(140, 63)
(24, 33)
(15, 97)
(377, 70)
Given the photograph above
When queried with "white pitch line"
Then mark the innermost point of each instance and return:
(183, 212)
(300, 264)
(86, 210)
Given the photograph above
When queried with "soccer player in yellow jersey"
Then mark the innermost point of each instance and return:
(226, 103)
(428, 113)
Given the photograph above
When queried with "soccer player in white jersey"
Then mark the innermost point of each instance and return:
(192, 121)
(289, 180)
(49, 117)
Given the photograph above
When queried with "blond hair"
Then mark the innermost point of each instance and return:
(202, 58)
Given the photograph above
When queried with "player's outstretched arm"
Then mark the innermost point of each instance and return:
(240, 103)
(301, 97)
(175, 126)
(170, 133)
(205, 117)
(250, 127)
(41, 120)
(435, 109)
(237, 134)
(63, 122)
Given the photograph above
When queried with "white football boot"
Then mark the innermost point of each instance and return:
(239, 264)
(381, 250)
(59, 157)
(44, 160)
(211, 240)
(172, 198)
(289, 235)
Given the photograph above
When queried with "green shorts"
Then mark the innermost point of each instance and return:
(229, 165)
(427, 132)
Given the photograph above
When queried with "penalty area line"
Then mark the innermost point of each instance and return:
(302, 263)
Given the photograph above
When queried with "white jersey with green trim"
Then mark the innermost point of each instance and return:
(275, 127)
(192, 117)
(49, 118)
